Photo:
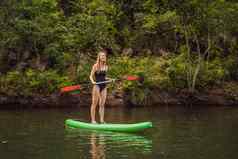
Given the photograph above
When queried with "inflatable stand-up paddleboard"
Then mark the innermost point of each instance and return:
(136, 127)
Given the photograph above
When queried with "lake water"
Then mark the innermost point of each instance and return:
(178, 133)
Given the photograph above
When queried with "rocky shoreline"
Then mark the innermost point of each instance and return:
(215, 97)
(54, 101)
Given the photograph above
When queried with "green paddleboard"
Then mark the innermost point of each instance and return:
(136, 127)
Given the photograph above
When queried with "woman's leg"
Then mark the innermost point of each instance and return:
(95, 99)
(102, 100)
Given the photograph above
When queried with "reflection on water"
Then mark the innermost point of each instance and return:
(97, 146)
(101, 142)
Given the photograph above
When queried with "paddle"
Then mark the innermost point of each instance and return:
(78, 87)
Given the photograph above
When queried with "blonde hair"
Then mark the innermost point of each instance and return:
(98, 62)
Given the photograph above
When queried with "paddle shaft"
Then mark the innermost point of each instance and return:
(104, 82)
(77, 87)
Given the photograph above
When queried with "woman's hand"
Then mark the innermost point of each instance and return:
(93, 82)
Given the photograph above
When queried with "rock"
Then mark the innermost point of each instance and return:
(26, 55)
(4, 142)
(22, 66)
(127, 51)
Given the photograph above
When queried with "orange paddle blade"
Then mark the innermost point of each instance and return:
(132, 78)
(70, 88)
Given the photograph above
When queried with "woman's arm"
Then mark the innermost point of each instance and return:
(92, 74)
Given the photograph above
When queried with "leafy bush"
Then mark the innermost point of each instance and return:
(32, 82)
(45, 82)
(180, 72)
(12, 83)
(149, 68)
(176, 71)
(213, 73)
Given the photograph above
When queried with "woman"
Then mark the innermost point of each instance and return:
(99, 92)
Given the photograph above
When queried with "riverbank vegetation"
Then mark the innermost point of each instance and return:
(175, 45)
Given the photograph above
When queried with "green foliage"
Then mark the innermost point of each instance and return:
(45, 82)
(84, 69)
(32, 82)
(231, 90)
(85, 31)
(230, 64)
(211, 73)
(64, 37)
(34, 24)
(149, 68)
(176, 72)
(125, 66)
(12, 83)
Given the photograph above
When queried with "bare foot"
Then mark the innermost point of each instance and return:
(94, 122)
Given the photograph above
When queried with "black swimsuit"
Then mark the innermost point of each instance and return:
(100, 76)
